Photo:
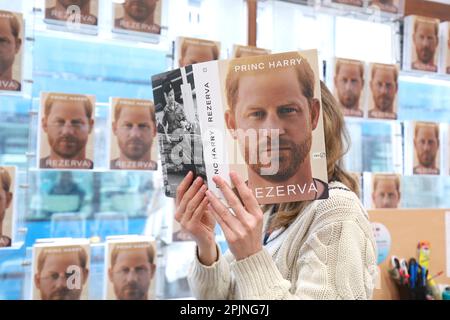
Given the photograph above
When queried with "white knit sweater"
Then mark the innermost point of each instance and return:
(328, 252)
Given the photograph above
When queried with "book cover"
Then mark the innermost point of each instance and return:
(422, 148)
(130, 268)
(8, 197)
(71, 13)
(356, 3)
(390, 6)
(383, 190)
(60, 270)
(192, 50)
(248, 51)
(141, 17)
(260, 116)
(445, 55)
(11, 50)
(133, 143)
(421, 44)
(383, 91)
(66, 131)
(349, 88)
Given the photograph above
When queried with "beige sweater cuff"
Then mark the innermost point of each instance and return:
(257, 277)
(217, 272)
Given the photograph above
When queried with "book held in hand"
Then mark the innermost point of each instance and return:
(259, 116)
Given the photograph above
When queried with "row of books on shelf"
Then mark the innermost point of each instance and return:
(426, 46)
(61, 269)
(260, 116)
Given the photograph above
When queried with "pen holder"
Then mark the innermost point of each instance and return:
(418, 293)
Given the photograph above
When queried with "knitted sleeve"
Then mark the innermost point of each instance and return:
(337, 260)
(211, 282)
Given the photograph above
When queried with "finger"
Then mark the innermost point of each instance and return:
(200, 211)
(221, 210)
(230, 196)
(193, 204)
(189, 194)
(245, 193)
(227, 231)
(183, 186)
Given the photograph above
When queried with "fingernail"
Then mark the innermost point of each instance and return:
(198, 180)
(203, 188)
(208, 193)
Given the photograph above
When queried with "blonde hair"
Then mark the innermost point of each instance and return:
(336, 144)
(5, 179)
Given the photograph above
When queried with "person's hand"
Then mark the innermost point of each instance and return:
(191, 212)
(243, 229)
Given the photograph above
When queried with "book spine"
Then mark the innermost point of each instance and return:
(210, 109)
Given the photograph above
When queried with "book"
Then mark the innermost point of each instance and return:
(141, 18)
(133, 143)
(356, 3)
(8, 195)
(390, 6)
(259, 116)
(130, 268)
(349, 89)
(383, 91)
(74, 16)
(66, 131)
(445, 53)
(60, 269)
(422, 148)
(382, 190)
(192, 50)
(248, 51)
(421, 44)
(11, 54)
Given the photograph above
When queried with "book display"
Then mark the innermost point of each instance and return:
(107, 105)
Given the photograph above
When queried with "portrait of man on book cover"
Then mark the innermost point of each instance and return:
(138, 15)
(66, 131)
(349, 86)
(11, 38)
(426, 148)
(383, 91)
(274, 119)
(84, 12)
(425, 39)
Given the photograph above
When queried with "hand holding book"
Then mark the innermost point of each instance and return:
(243, 226)
(194, 218)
